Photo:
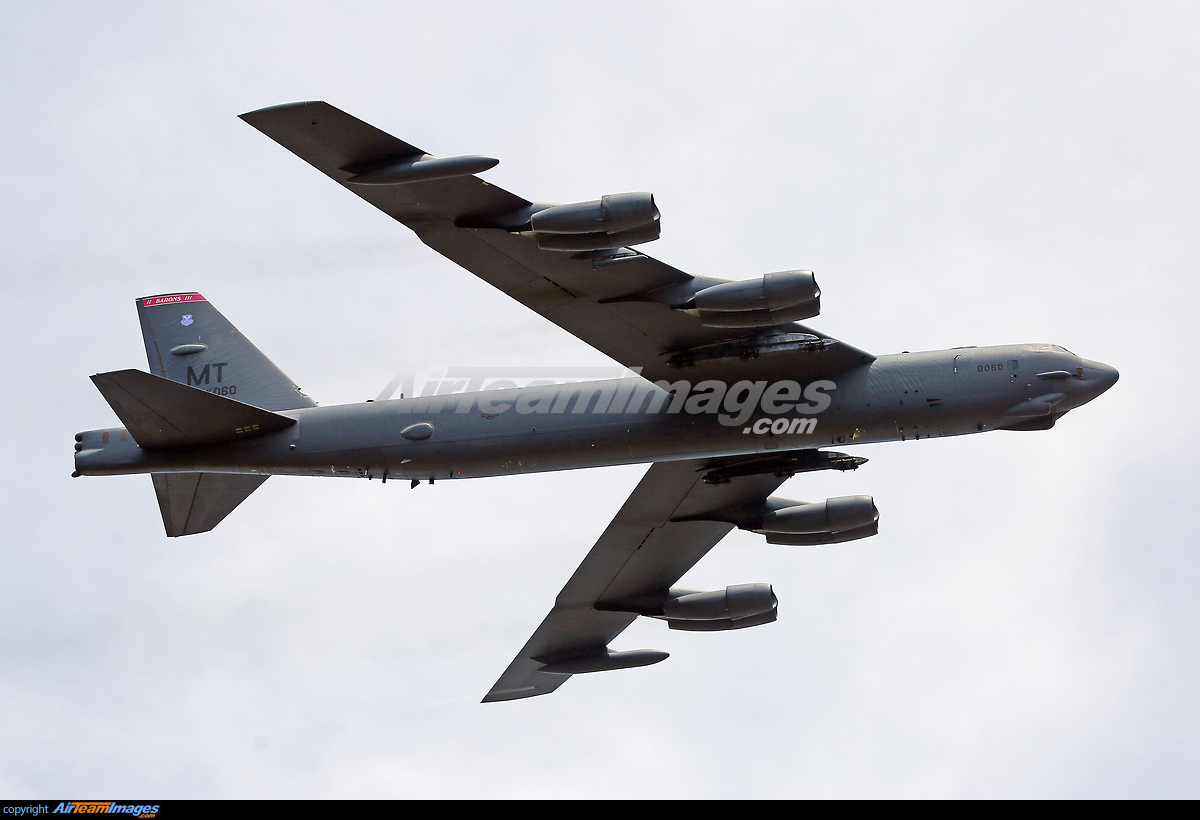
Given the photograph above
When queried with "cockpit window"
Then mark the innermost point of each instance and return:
(1048, 349)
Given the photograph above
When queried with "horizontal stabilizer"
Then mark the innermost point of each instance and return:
(197, 502)
(159, 412)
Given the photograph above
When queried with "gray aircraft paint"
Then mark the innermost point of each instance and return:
(909, 395)
(904, 396)
(215, 408)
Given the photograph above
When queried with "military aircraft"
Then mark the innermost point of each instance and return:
(733, 397)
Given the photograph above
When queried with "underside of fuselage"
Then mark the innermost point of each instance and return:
(561, 427)
(734, 396)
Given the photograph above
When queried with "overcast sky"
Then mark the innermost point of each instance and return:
(1025, 624)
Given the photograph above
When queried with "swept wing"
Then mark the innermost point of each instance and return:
(642, 553)
(622, 302)
(613, 300)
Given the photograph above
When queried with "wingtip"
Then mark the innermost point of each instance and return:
(516, 693)
(270, 109)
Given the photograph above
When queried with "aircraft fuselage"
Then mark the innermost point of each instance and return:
(592, 424)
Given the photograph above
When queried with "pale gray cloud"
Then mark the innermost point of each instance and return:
(1023, 626)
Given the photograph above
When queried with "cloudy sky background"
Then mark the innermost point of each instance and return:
(1025, 624)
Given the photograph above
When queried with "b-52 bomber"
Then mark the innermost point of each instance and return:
(734, 396)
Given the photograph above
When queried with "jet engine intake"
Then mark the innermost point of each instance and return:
(776, 298)
(613, 221)
(834, 515)
(730, 604)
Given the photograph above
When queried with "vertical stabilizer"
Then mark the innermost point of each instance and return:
(190, 342)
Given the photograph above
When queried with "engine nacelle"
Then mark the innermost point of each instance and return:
(777, 298)
(834, 515)
(730, 604)
(724, 623)
(613, 221)
(817, 539)
(609, 214)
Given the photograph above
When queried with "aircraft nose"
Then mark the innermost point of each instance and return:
(1099, 376)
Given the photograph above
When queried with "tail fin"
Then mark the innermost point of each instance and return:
(158, 413)
(190, 342)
